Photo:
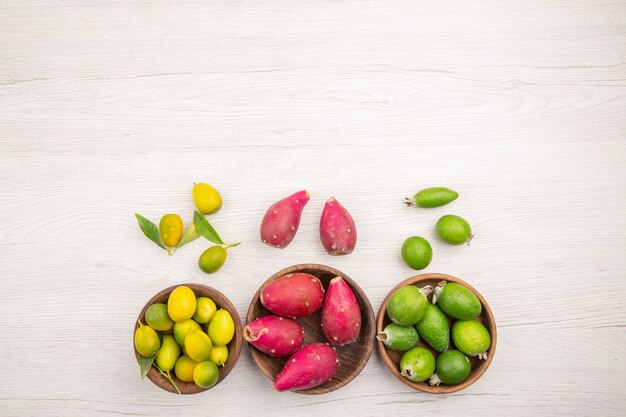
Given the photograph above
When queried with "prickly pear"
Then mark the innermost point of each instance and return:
(309, 367)
(275, 336)
(341, 316)
(281, 220)
(293, 295)
(337, 229)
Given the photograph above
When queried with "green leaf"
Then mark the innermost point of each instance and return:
(190, 235)
(149, 229)
(205, 229)
(144, 365)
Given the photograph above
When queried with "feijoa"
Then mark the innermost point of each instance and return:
(452, 367)
(417, 365)
(434, 329)
(457, 301)
(454, 230)
(399, 338)
(416, 252)
(471, 338)
(433, 197)
(407, 305)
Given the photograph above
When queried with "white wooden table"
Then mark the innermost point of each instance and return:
(113, 107)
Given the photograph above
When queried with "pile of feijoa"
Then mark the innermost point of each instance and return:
(416, 319)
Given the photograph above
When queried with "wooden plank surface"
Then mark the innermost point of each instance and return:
(113, 107)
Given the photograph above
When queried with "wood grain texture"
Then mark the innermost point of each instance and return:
(108, 108)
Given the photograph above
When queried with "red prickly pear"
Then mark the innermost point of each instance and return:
(293, 295)
(309, 367)
(337, 229)
(275, 336)
(341, 316)
(281, 220)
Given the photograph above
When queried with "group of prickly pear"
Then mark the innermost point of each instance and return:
(169, 235)
(416, 251)
(282, 219)
(415, 318)
(298, 295)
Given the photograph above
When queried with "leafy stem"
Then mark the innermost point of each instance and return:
(167, 375)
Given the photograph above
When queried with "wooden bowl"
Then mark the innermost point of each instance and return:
(352, 357)
(234, 347)
(392, 358)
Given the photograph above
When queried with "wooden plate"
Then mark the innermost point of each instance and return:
(392, 358)
(234, 347)
(352, 357)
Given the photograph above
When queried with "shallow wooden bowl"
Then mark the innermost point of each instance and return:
(234, 347)
(392, 358)
(352, 357)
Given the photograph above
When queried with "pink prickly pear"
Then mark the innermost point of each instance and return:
(341, 316)
(293, 295)
(337, 229)
(309, 367)
(281, 220)
(275, 336)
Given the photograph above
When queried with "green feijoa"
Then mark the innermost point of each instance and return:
(407, 305)
(457, 301)
(434, 329)
(417, 365)
(471, 338)
(399, 338)
(416, 252)
(157, 317)
(452, 367)
(454, 230)
(167, 356)
(434, 197)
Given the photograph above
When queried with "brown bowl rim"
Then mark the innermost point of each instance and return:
(369, 341)
(234, 347)
(424, 386)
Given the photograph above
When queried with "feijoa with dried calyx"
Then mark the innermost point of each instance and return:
(407, 305)
(432, 197)
(434, 329)
(417, 364)
(471, 338)
(399, 338)
(457, 301)
(452, 367)
(454, 230)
